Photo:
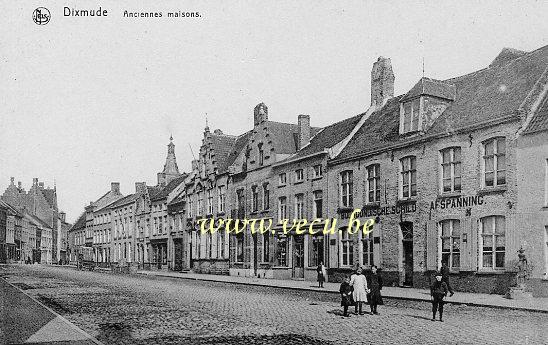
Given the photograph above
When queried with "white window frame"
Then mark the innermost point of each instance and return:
(346, 188)
(452, 163)
(282, 208)
(496, 158)
(416, 101)
(299, 175)
(373, 183)
(346, 249)
(451, 236)
(408, 178)
(482, 234)
(318, 170)
(299, 206)
(282, 179)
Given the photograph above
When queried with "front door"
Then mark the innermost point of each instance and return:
(178, 247)
(407, 254)
(298, 257)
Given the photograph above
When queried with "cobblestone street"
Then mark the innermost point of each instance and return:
(120, 309)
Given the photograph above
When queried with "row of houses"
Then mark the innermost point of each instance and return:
(452, 172)
(32, 232)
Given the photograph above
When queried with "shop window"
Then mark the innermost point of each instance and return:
(408, 168)
(367, 250)
(240, 248)
(347, 249)
(316, 252)
(266, 247)
(451, 169)
(493, 242)
(450, 242)
(494, 162)
(281, 251)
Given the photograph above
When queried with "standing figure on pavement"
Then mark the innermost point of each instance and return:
(374, 282)
(445, 278)
(438, 291)
(346, 295)
(359, 284)
(322, 274)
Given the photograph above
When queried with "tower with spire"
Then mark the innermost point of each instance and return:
(171, 170)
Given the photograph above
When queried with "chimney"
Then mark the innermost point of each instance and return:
(41, 185)
(12, 181)
(62, 216)
(260, 114)
(19, 185)
(304, 130)
(115, 187)
(35, 181)
(382, 82)
(139, 186)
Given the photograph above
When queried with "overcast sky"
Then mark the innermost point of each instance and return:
(87, 101)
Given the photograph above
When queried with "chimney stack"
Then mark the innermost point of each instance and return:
(41, 185)
(304, 130)
(35, 181)
(194, 165)
(62, 216)
(12, 181)
(115, 187)
(139, 186)
(382, 82)
(19, 185)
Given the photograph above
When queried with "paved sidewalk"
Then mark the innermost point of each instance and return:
(25, 320)
(473, 299)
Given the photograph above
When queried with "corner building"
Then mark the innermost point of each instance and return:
(437, 168)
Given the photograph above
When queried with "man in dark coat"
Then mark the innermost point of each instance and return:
(438, 290)
(374, 282)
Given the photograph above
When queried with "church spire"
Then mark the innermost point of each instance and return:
(171, 170)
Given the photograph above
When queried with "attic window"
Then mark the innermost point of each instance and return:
(411, 115)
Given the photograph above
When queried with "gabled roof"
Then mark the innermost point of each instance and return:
(490, 94)
(285, 136)
(539, 121)
(238, 146)
(80, 222)
(222, 145)
(163, 193)
(327, 137)
(124, 201)
(36, 221)
(431, 87)
(14, 210)
(49, 195)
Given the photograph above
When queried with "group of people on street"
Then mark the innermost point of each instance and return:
(363, 287)
(359, 289)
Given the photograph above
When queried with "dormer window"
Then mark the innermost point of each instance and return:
(411, 116)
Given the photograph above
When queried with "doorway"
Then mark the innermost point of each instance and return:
(298, 257)
(407, 253)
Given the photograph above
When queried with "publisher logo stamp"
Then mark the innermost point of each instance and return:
(41, 16)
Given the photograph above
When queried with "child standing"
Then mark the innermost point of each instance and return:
(438, 291)
(346, 295)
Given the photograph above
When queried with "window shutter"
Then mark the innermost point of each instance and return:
(466, 256)
(214, 245)
(473, 240)
(431, 245)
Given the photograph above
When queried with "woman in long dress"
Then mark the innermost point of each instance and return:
(322, 274)
(359, 284)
